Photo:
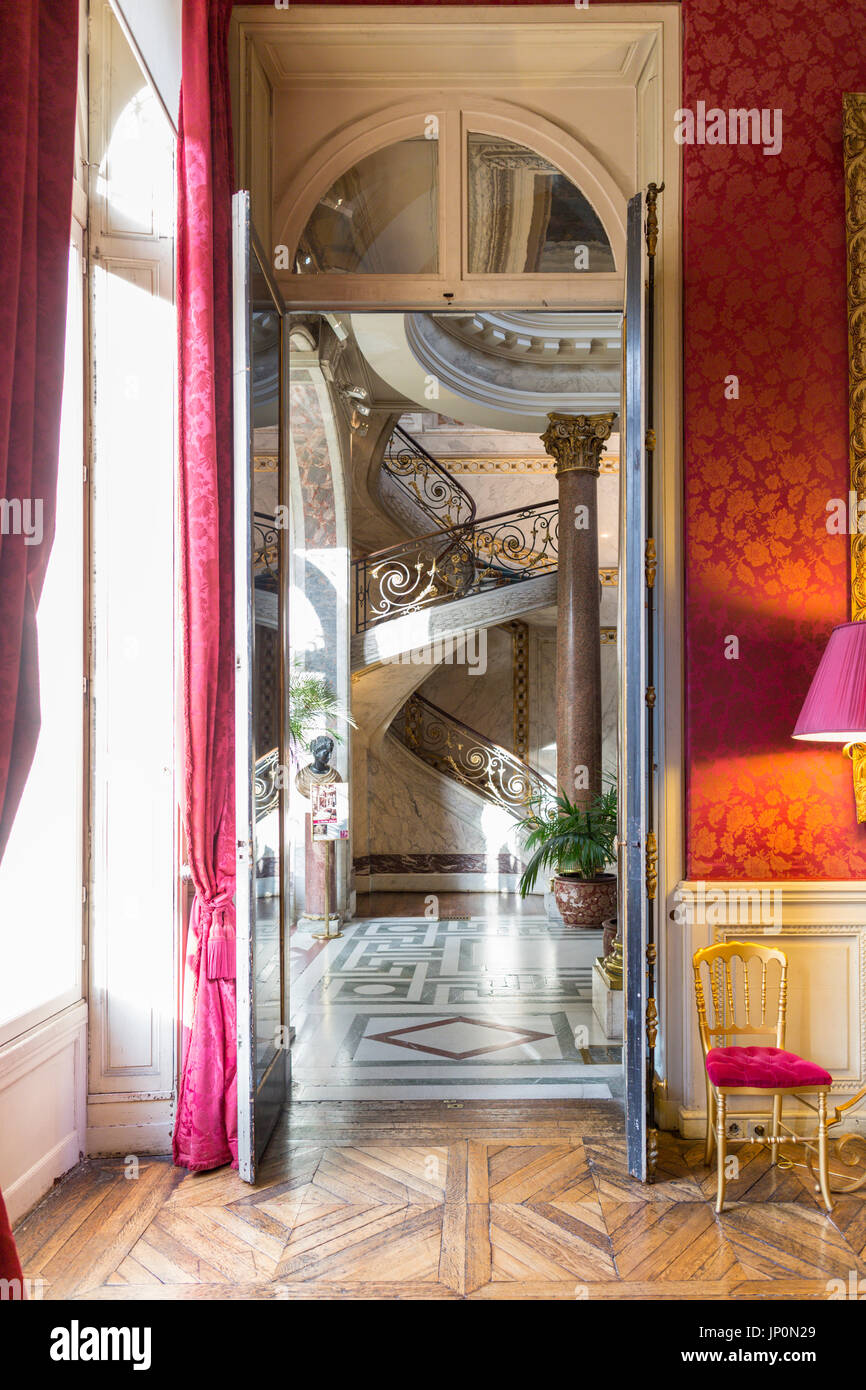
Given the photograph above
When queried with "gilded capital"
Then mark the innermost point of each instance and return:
(575, 442)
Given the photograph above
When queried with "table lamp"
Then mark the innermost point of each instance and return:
(834, 710)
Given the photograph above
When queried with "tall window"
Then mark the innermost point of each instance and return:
(133, 331)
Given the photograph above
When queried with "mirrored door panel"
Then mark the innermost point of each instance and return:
(260, 646)
(633, 706)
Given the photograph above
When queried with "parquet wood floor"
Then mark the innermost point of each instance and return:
(425, 1200)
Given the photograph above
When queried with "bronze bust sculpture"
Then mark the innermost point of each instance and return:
(319, 770)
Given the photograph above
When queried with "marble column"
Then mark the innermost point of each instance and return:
(575, 443)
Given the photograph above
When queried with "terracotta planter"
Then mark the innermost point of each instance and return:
(585, 902)
(610, 929)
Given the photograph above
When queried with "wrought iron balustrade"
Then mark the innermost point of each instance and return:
(266, 783)
(427, 482)
(464, 560)
(460, 752)
(266, 551)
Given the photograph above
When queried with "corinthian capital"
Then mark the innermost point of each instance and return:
(575, 442)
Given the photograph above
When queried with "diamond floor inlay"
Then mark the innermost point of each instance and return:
(456, 1033)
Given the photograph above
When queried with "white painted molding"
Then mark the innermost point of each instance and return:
(807, 914)
(522, 124)
(691, 1121)
(129, 1124)
(836, 902)
(43, 1081)
(38, 1044)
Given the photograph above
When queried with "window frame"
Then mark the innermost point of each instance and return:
(453, 285)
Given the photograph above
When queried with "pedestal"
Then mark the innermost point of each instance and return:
(315, 852)
(607, 1004)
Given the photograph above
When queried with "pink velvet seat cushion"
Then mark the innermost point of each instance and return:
(765, 1067)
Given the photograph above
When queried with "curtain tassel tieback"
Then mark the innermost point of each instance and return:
(220, 961)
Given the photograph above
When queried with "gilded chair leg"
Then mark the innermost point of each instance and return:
(721, 1118)
(823, 1169)
(711, 1120)
(777, 1125)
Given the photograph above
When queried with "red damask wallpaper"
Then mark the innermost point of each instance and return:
(765, 300)
(764, 259)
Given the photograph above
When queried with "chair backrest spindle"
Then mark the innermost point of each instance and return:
(719, 964)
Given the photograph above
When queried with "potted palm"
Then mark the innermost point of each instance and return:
(578, 844)
(313, 709)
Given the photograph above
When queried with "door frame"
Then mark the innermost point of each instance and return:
(273, 1089)
(333, 41)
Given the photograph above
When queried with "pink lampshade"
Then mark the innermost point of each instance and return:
(834, 711)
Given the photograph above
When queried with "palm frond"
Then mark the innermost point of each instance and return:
(313, 708)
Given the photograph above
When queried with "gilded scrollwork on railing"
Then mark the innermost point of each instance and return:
(451, 747)
(266, 550)
(266, 783)
(855, 233)
(447, 565)
(428, 483)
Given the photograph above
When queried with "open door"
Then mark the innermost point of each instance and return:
(261, 645)
(638, 859)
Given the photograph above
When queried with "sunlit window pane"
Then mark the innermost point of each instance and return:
(380, 217)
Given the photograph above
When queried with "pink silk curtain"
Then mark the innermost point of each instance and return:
(38, 81)
(205, 1134)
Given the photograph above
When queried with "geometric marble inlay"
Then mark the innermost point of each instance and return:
(468, 1037)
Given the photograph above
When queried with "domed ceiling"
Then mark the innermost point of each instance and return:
(503, 369)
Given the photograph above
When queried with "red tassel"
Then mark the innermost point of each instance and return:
(221, 960)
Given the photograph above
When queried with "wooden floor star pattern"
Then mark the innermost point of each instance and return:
(417, 1200)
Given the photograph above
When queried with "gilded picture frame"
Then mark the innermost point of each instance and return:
(854, 134)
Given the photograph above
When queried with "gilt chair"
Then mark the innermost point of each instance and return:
(740, 1010)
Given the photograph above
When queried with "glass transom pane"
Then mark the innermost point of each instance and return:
(526, 217)
(380, 217)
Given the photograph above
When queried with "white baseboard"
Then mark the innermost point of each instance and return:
(121, 1127)
(692, 1124)
(30, 1187)
(43, 1083)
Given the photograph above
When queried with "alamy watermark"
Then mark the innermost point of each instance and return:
(20, 1290)
(22, 517)
(77, 1343)
(737, 126)
(728, 907)
(467, 649)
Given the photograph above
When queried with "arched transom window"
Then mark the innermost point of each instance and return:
(464, 209)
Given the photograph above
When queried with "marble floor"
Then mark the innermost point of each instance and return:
(467, 1007)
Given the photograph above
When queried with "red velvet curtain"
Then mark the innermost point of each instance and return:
(38, 79)
(205, 1133)
(38, 83)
